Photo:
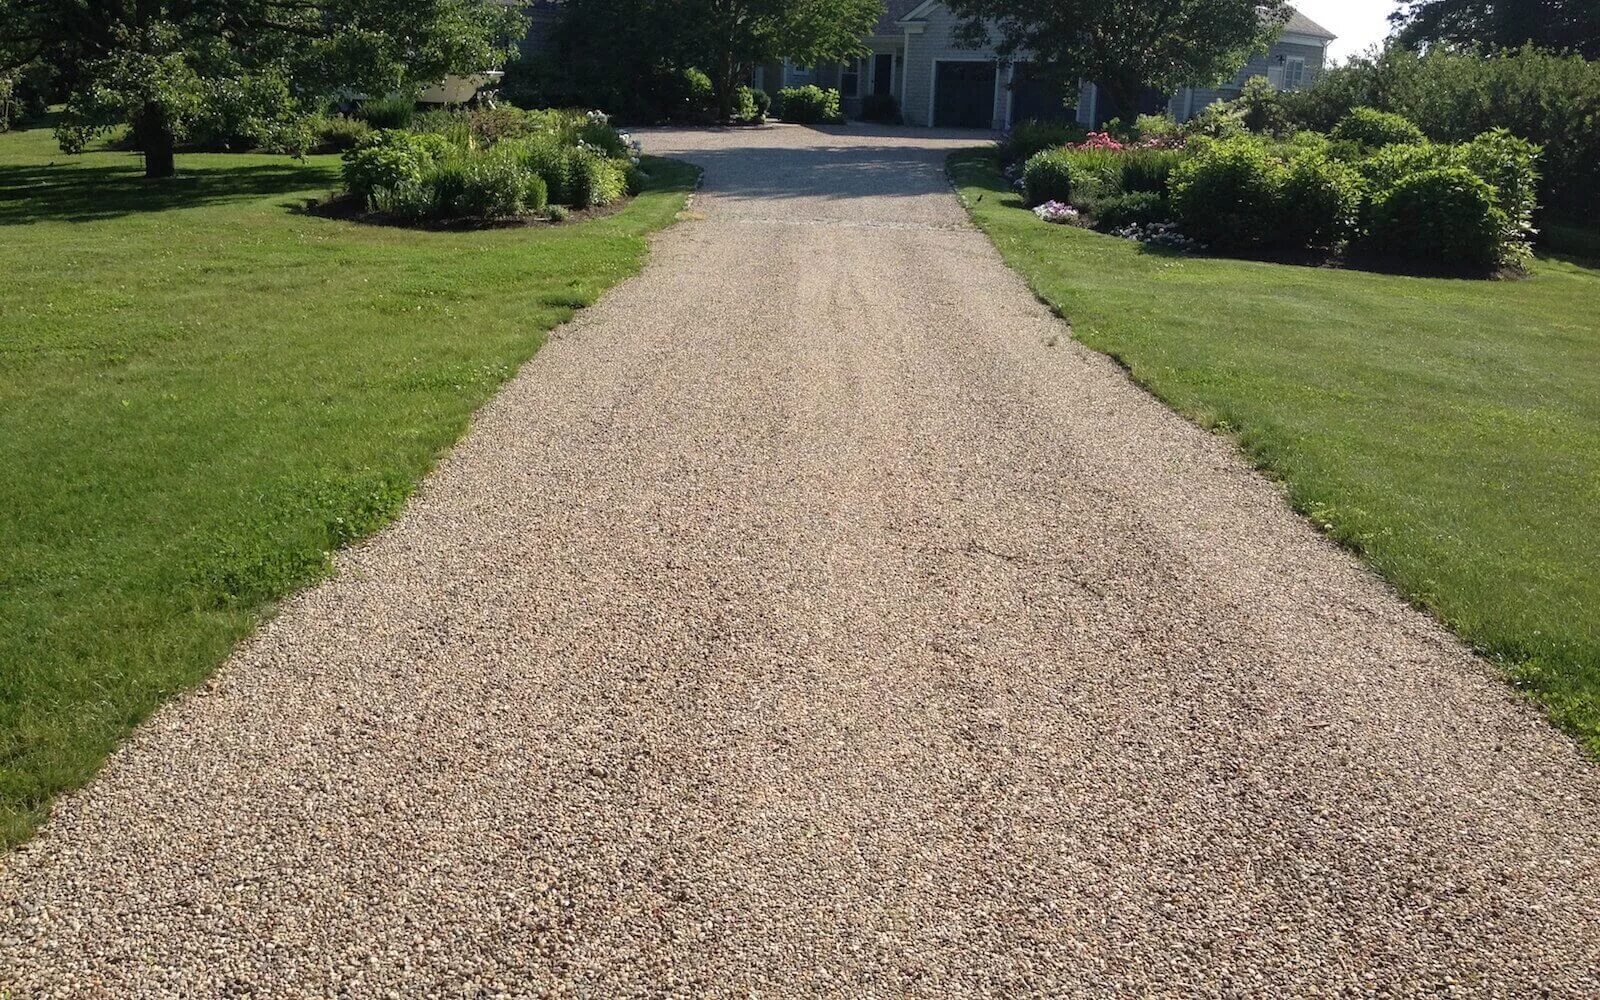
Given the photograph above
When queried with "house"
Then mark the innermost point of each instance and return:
(915, 57)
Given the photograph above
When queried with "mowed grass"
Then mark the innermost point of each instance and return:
(203, 392)
(1449, 431)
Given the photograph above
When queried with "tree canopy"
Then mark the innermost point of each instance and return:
(158, 64)
(1126, 46)
(1558, 25)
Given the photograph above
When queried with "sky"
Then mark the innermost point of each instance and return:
(1358, 23)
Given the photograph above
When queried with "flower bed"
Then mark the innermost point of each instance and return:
(1373, 190)
(492, 165)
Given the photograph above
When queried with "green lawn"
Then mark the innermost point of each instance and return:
(203, 391)
(1447, 430)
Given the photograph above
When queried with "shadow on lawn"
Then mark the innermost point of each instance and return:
(66, 192)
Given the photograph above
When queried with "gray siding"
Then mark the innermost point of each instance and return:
(934, 43)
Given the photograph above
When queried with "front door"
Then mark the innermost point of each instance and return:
(883, 73)
(963, 94)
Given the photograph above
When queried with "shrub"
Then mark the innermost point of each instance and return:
(1226, 193)
(1137, 208)
(547, 158)
(1384, 168)
(389, 159)
(747, 108)
(387, 112)
(692, 97)
(880, 108)
(1261, 108)
(598, 133)
(1222, 120)
(1446, 215)
(1321, 202)
(339, 134)
(763, 102)
(1547, 99)
(7, 92)
(1511, 166)
(1029, 137)
(809, 105)
(1147, 170)
(1047, 176)
(1160, 129)
(1373, 128)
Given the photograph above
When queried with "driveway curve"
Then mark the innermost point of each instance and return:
(813, 617)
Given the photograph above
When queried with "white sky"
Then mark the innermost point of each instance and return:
(1358, 23)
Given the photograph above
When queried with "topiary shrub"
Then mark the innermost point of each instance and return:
(1047, 176)
(1373, 128)
(1226, 193)
(1446, 216)
(1321, 203)
(763, 102)
(809, 105)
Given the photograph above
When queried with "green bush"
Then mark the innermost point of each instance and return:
(7, 92)
(1321, 202)
(1047, 176)
(763, 102)
(1133, 208)
(1226, 193)
(593, 179)
(1548, 99)
(1446, 216)
(1511, 166)
(547, 158)
(809, 105)
(1221, 120)
(339, 134)
(1029, 137)
(1158, 128)
(1147, 170)
(880, 108)
(1261, 107)
(1373, 128)
(693, 98)
(387, 112)
(389, 159)
(597, 132)
(747, 109)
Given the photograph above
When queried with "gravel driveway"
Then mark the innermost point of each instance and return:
(813, 617)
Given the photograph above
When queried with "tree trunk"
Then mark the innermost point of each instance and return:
(156, 139)
(726, 83)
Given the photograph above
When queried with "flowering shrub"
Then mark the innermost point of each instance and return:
(1161, 234)
(1098, 140)
(1058, 212)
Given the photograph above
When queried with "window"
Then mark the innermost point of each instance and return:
(798, 76)
(850, 79)
(1294, 74)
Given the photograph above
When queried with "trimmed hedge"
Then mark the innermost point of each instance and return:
(809, 105)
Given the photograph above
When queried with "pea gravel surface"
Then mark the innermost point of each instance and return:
(813, 617)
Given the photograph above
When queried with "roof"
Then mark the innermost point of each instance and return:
(1299, 24)
(893, 12)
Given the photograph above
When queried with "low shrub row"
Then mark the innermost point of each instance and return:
(808, 105)
(448, 167)
(1375, 185)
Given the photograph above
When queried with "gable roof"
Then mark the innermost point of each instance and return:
(1299, 24)
(893, 12)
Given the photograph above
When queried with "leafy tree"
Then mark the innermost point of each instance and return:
(650, 44)
(739, 33)
(159, 65)
(1126, 46)
(1559, 25)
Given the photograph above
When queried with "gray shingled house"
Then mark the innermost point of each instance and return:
(916, 59)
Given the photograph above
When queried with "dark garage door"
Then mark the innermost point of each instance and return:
(1037, 99)
(963, 94)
